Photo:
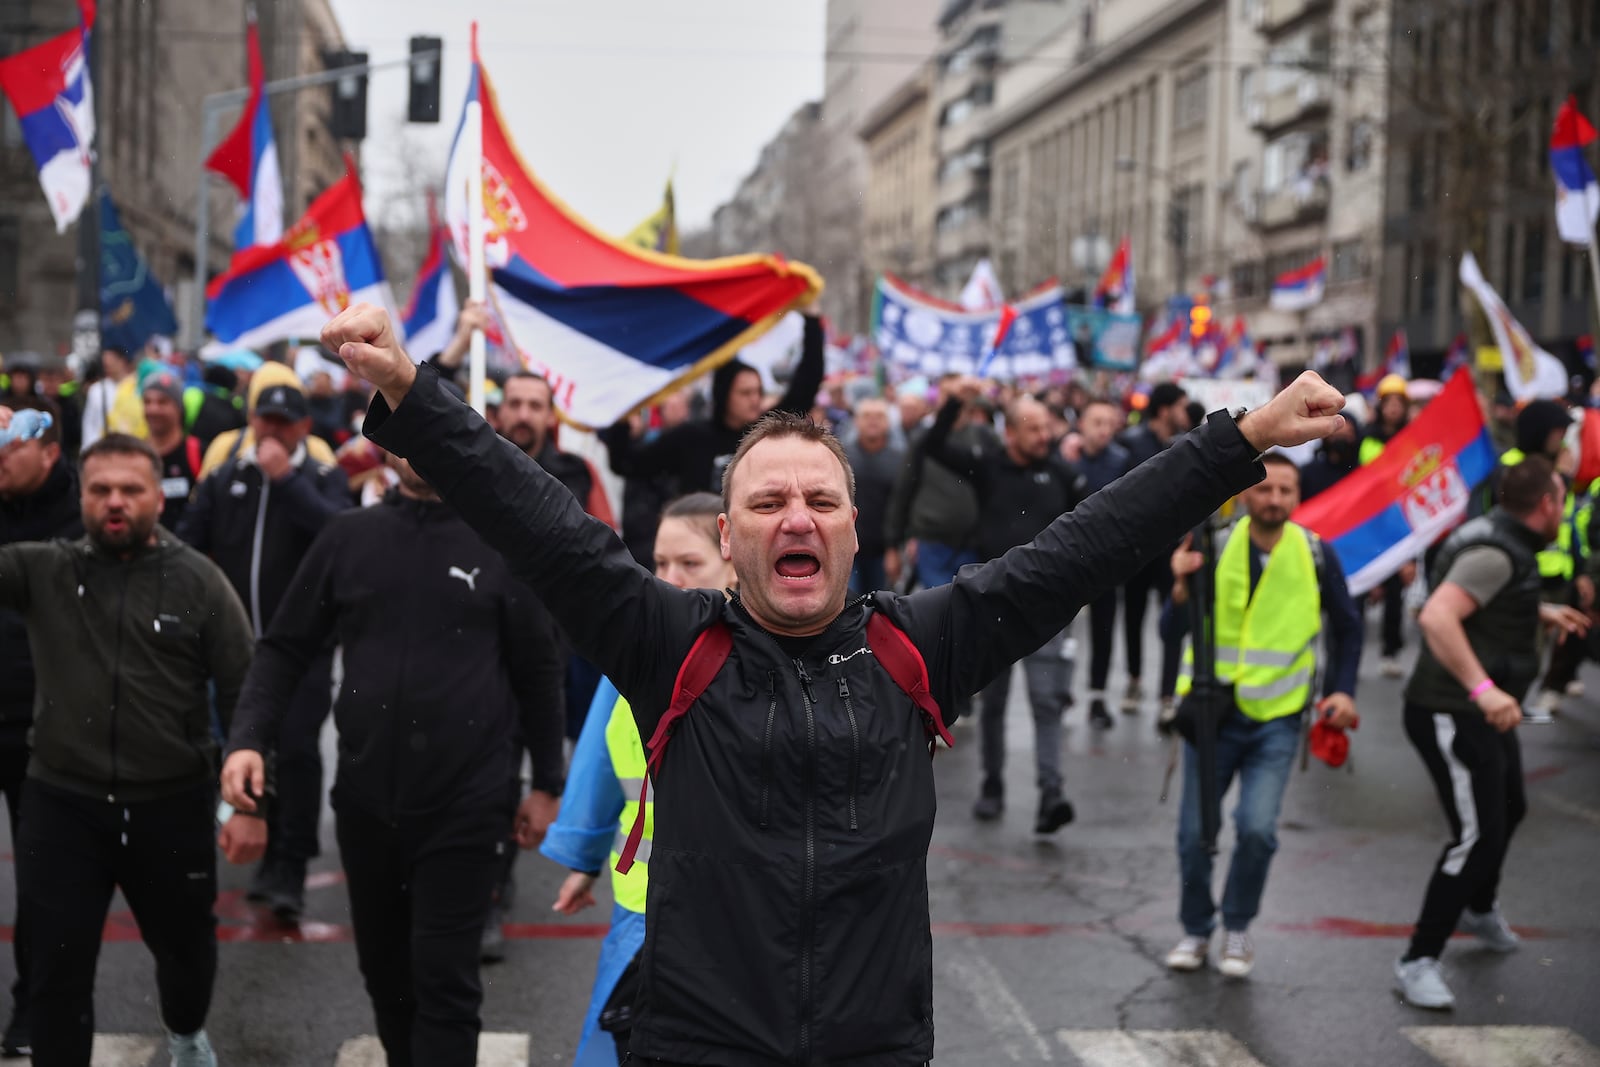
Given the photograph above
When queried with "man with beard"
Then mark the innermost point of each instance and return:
(120, 788)
(38, 502)
(1274, 582)
(425, 745)
(1021, 490)
(180, 452)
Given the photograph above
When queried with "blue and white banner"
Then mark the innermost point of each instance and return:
(918, 334)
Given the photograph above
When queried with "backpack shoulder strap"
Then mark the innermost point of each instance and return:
(903, 661)
(191, 445)
(706, 657)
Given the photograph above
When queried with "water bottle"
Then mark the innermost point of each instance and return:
(26, 425)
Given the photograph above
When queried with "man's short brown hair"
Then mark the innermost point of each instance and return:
(776, 424)
(1523, 485)
(121, 444)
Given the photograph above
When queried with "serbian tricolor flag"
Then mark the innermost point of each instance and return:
(326, 262)
(1299, 289)
(613, 327)
(1577, 191)
(248, 158)
(1384, 514)
(1115, 291)
(48, 86)
(430, 317)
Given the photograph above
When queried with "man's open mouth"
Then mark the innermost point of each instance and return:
(798, 565)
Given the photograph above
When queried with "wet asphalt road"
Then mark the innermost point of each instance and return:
(1049, 951)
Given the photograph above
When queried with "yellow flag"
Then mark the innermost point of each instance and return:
(659, 232)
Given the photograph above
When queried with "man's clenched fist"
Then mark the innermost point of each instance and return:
(1307, 409)
(365, 340)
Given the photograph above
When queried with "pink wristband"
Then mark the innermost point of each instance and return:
(1481, 688)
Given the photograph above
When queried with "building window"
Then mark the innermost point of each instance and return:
(1533, 261)
(1428, 280)
(1297, 161)
(1247, 90)
(1349, 262)
(1358, 145)
(1246, 279)
(1189, 100)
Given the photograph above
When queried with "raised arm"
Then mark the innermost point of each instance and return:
(809, 369)
(634, 628)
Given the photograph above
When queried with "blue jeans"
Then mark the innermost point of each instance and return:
(1262, 755)
(937, 564)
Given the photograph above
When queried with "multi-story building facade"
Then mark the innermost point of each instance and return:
(158, 60)
(898, 211)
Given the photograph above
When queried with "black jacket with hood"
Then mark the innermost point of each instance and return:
(447, 660)
(51, 512)
(258, 530)
(788, 878)
(693, 454)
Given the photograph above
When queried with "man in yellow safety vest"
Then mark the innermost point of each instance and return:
(1274, 581)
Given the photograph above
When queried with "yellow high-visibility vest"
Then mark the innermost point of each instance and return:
(628, 762)
(1266, 643)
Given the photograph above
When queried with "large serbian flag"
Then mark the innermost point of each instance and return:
(613, 327)
(1384, 514)
(326, 262)
(48, 86)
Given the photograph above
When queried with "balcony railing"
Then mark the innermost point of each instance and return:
(1272, 15)
(1309, 95)
(1302, 200)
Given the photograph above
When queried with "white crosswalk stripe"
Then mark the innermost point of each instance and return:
(121, 1050)
(1156, 1048)
(494, 1050)
(1503, 1046)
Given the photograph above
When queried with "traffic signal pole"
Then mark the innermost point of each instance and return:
(211, 109)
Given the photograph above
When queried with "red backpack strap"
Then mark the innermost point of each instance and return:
(905, 665)
(706, 657)
(192, 452)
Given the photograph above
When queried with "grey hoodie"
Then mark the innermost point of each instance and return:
(122, 652)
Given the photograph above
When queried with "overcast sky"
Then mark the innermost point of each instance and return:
(603, 97)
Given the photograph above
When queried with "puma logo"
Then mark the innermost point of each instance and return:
(471, 578)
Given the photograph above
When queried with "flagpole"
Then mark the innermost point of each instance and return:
(477, 288)
(1594, 271)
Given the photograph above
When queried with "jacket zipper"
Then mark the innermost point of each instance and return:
(855, 750)
(255, 557)
(116, 685)
(809, 891)
(766, 747)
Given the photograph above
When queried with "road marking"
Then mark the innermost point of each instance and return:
(1006, 1017)
(123, 1050)
(1156, 1048)
(1503, 1046)
(494, 1050)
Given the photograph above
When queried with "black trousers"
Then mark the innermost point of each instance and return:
(294, 816)
(1394, 613)
(1102, 634)
(1156, 578)
(419, 896)
(1478, 773)
(73, 852)
(13, 772)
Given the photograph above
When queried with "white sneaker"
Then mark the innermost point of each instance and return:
(1188, 954)
(191, 1050)
(1238, 955)
(1575, 688)
(1491, 928)
(1390, 667)
(1132, 699)
(1548, 701)
(1421, 985)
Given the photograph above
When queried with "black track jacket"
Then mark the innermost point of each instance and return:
(788, 879)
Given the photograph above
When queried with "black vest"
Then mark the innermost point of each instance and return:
(1504, 633)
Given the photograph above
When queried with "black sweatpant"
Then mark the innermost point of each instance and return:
(1477, 771)
(73, 852)
(295, 814)
(13, 772)
(419, 896)
(1155, 578)
(1394, 613)
(1102, 635)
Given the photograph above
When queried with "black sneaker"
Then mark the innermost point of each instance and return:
(18, 1042)
(1055, 811)
(287, 897)
(991, 802)
(1099, 717)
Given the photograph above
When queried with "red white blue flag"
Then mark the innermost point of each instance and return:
(48, 86)
(1115, 291)
(248, 158)
(1299, 289)
(326, 262)
(613, 327)
(1384, 514)
(1577, 191)
(430, 317)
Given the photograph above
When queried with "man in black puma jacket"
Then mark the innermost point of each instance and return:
(788, 878)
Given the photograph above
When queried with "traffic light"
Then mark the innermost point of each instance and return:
(1199, 320)
(423, 104)
(349, 118)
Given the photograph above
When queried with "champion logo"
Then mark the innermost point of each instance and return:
(837, 659)
(469, 577)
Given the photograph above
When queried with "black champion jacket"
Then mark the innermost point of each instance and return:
(447, 659)
(788, 875)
